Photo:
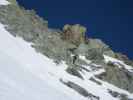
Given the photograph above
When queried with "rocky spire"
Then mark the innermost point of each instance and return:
(74, 33)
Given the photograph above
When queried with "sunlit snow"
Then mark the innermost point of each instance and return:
(28, 75)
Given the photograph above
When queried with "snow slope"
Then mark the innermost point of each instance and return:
(28, 75)
(25, 74)
(4, 2)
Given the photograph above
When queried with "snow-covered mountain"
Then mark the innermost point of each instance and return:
(30, 69)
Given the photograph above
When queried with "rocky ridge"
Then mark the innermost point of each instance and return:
(70, 45)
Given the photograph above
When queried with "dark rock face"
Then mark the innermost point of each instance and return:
(114, 94)
(94, 80)
(74, 71)
(118, 95)
(118, 76)
(80, 90)
(76, 87)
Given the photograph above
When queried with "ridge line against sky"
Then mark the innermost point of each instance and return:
(109, 20)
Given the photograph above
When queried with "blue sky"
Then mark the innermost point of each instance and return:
(109, 20)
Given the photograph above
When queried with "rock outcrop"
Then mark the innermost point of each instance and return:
(74, 33)
(21, 22)
(118, 76)
(67, 45)
(124, 58)
(80, 90)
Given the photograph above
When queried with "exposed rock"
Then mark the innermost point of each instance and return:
(94, 50)
(21, 22)
(118, 76)
(96, 43)
(94, 80)
(74, 71)
(74, 33)
(101, 46)
(114, 94)
(124, 97)
(109, 52)
(76, 87)
(26, 24)
(95, 55)
(124, 58)
(82, 49)
(54, 47)
(118, 95)
(80, 90)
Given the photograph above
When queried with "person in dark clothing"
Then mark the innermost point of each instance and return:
(75, 57)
